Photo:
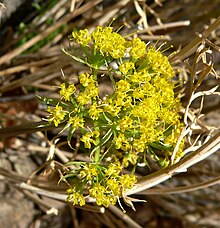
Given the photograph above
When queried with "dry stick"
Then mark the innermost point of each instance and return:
(12, 175)
(60, 197)
(39, 191)
(27, 66)
(142, 13)
(154, 37)
(166, 26)
(124, 216)
(110, 12)
(9, 56)
(51, 12)
(102, 219)
(72, 7)
(48, 71)
(25, 128)
(151, 180)
(200, 154)
(111, 220)
(182, 189)
(189, 49)
(35, 198)
(74, 217)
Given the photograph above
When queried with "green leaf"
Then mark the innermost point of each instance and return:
(75, 163)
(106, 137)
(153, 155)
(75, 58)
(68, 175)
(70, 135)
(98, 60)
(48, 101)
(161, 146)
(143, 65)
(168, 131)
(53, 101)
(104, 140)
(65, 127)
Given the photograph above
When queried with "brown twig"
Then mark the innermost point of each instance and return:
(200, 154)
(10, 55)
(182, 189)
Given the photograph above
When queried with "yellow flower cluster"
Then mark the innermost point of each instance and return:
(57, 115)
(159, 63)
(67, 92)
(91, 89)
(90, 137)
(75, 197)
(82, 37)
(138, 49)
(76, 122)
(108, 190)
(139, 118)
(110, 43)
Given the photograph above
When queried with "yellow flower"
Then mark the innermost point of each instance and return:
(120, 99)
(83, 98)
(82, 37)
(94, 111)
(57, 115)
(122, 86)
(76, 122)
(88, 138)
(86, 79)
(121, 142)
(128, 181)
(125, 123)
(126, 67)
(159, 63)
(139, 145)
(89, 171)
(150, 134)
(92, 90)
(138, 93)
(102, 195)
(114, 186)
(67, 92)
(111, 107)
(108, 42)
(140, 77)
(131, 157)
(138, 49)
(118, 46)
(113, 169)
(76, 198)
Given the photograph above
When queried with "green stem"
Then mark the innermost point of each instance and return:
(97, 151)
(95, 72)
(96, 124)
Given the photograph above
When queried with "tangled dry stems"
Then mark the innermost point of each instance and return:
(39, 69)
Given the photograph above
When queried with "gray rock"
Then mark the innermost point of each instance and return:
(10, 7)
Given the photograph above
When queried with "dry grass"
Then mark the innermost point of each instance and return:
(195, 37)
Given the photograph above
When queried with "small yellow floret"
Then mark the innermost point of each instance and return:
(82, 37)
(57, 115)
(138, 49)
(67, 92)
(126, 67)
(76, 122)
(86, 79)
